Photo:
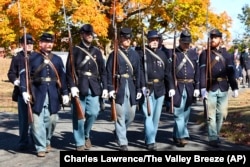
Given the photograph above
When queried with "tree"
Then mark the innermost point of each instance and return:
(47, 15)
(245, 19)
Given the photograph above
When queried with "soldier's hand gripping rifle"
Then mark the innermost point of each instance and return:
(27, 79)
(115, 65)
(76, 100)
(27, 73)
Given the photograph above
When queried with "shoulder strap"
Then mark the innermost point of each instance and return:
(156, 56)
(127, 60)
(86, 59)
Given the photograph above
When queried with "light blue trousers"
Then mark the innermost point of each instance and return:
(125, 116)
(82, 128)
(217, 112)
(43, 127)
(151, 121)
(181, 118)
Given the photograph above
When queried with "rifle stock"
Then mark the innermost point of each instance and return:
(79, 109)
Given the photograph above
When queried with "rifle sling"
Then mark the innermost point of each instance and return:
(156, 56)
(86, 59)
(216, 61)
(48, 60)
(183, 62)
(127, 60)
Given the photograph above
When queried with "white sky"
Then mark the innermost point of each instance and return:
(233, 8)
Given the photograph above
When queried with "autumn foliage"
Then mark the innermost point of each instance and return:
(48, 15)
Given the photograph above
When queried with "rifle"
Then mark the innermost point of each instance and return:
(145, 69)
(27, 78)
(208, 76)
(171, 109)
(115, 67)
(79, 108)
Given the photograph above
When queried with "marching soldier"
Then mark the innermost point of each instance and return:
(17, 63)
(154, 79)
(215, 85)
(187, 75)
(48, 83)
(90, 70)
(129, 86)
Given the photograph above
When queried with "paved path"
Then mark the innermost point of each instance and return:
(102, 138)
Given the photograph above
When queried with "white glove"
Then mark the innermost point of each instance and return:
(145, 91)
(74, 92)
(26, 97)
(196, 93)
(17, 82)
(204, 93)
(171, 93)
(65, 99)
(112, 94)
(138, 96)
(105, 93)
(235, 93)
(240, 78)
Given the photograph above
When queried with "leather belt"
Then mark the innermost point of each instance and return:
(89, 74)
(126, 75)
(44, 79)
(185, 80)
(151, 81)
(219, 79)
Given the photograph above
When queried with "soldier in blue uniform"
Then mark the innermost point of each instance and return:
(156, 75)
(91, 83)
(48, 85)
(128, 91)
(215, 85)
(187, 82)
(17, 63)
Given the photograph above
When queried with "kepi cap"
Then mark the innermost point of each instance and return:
(47, 37)
(153, 34)
(185, 36)
(29, 39)
(126, 32)
(87, 28)
(216, 33)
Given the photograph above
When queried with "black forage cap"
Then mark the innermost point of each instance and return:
(29, 39)
(126, 32)
(185, 36)
(47, 37)
(153, 34)
(216, 33)
(87, 28)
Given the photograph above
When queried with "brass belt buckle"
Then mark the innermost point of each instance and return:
(156, 80)
(47, 79)
(88, 73)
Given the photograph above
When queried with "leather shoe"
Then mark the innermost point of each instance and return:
(41, 154)
(180, 142)
(214, 143)
(88, 144)
(152, 147)
(80, 148)
(123, 148)
(48, 148)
